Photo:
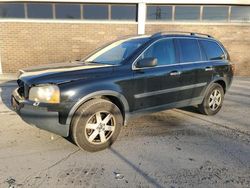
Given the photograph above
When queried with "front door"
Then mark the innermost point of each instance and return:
(156, 86)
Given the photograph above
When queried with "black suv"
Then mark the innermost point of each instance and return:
(90, 99)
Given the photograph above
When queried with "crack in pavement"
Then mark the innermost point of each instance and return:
(63, 159)
(48, 168)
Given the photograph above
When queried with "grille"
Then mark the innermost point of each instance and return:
(21, 88)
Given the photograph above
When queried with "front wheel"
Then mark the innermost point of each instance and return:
(96, 125)
(213, 100)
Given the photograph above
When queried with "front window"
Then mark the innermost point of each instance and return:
(163, 51)
(118, 51)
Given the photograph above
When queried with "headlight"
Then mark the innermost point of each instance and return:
(45, 93)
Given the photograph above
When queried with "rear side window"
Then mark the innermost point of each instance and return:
(212, 50)
(163, 51)
(189, 50)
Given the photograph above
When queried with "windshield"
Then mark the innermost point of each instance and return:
(116, 52)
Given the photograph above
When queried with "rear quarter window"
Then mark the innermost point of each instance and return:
(212, 49)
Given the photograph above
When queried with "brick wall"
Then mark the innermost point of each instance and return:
(24, 44)
(236, 39)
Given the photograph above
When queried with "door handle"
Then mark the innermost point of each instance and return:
(208, 68)
(175, 73)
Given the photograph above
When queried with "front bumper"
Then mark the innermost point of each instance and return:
(38, 116)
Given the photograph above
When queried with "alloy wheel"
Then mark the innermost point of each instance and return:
(215, 100)
(100, 127)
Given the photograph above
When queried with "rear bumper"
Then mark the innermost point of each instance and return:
(38, 116)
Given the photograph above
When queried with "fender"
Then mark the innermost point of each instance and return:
(122, 99)
(215, 79)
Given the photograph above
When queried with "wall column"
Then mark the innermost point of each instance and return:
(141, 18)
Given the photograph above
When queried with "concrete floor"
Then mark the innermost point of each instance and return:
(174, 148)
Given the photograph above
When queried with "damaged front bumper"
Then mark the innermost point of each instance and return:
(38, 116)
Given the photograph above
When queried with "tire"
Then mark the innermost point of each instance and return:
(96, 125)
(213, 100)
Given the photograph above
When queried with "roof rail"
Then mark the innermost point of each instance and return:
(180, 32)
(156, 34)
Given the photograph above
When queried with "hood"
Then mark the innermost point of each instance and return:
(62, 72)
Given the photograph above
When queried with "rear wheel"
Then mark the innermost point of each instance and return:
(96, 125)
(213, 100)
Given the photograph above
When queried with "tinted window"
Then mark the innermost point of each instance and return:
(240, 13)
(189, 50)
(203, 54)
(12, 10)
(163, 51)
(36, 10)
(95, 12)
(212, 50)
(187, 13)
(68, 11)
(123, 12)
(159, 12)
(215, 13)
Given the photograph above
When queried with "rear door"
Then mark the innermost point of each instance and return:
(215, 57)
(196, 72)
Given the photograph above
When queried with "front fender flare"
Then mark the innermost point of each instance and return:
(122, 99)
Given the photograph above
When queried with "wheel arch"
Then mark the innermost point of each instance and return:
(222, 83)
(218, 80)
(115, 97)
(204, 107)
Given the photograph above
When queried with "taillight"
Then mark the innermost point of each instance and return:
(233, 67)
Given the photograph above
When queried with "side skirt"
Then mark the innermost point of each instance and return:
(179, 104)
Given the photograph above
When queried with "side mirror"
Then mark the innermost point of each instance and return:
(147, 62)
(223, 56)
